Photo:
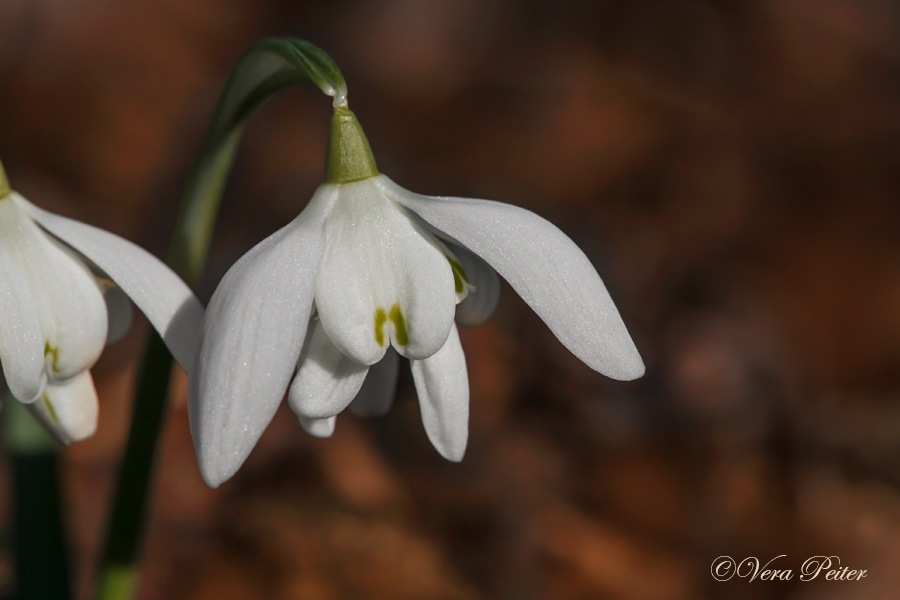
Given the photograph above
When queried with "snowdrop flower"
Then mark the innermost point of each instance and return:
(321, 308)
(64, 289)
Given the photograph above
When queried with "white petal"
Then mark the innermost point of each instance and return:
(250, 341)
(381, 270)
(320, 428)
(376, 395)
(118, 311)
(21, 340)
(327, 381)
(68, 410)
(66, 296)
(442, 384)
(480, 302)
(159, 293)
(73, 313)
(544, 266)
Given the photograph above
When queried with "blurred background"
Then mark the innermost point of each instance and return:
(729, 166)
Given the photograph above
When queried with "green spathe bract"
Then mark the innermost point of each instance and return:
(349, 157)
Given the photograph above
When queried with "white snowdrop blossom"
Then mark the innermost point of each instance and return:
(64, 289)
(368, 271)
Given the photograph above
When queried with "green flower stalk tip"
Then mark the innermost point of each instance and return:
(349, 156)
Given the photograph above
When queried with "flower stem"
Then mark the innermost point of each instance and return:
(119, 572)
(40, 543)
(267, 66)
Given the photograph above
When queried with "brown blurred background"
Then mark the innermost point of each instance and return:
(730, 167)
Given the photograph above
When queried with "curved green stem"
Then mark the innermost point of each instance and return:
(267, 66)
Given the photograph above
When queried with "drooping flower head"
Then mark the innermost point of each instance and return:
(64, 289)
(369, 271)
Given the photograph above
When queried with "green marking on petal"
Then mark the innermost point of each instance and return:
(399, 325)
(50, 409)
(380, 320)
(54, 352)
(459, 274)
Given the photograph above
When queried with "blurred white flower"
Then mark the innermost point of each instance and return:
(63, 287)
(317, 307)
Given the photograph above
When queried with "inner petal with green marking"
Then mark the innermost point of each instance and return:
(401, 337)
(384, 279)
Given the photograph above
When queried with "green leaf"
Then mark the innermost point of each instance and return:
(265, 67)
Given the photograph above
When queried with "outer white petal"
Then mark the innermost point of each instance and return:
(158, 292)
(68, 410)
(21, 341)
(442, 384)
(65, 294)
(544, 266)
(250, 341)
(378, 258)
(327, 381)
(320, 428)
(376, 395)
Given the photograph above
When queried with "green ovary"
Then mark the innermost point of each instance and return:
(396, 317)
